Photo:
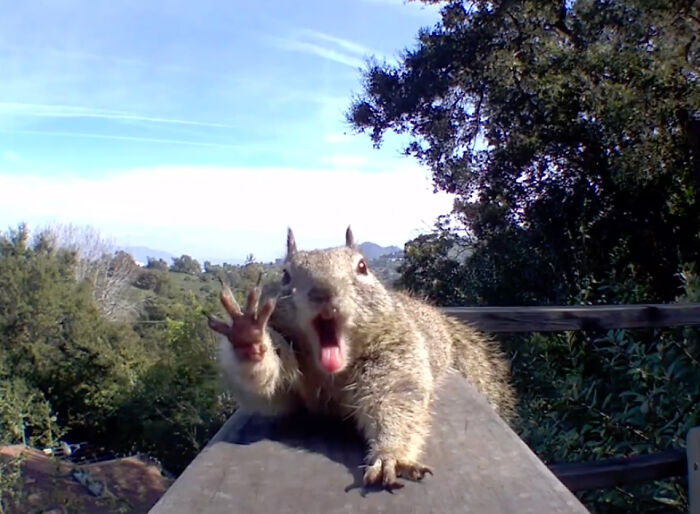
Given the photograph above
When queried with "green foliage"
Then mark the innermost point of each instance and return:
(11, 484)
(178, 403)
(149, 385)
(569, 134)
(243, 278)
(25, 414)
(56, 346)
(386, 268)
(146, 279)
(157, 264)
(592, 396)
(432, 267)
(186, 264)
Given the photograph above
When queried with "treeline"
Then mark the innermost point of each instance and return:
(569, 133)
(94, 348)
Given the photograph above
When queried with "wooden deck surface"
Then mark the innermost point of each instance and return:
(302, 464)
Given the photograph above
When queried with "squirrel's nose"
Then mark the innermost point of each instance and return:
(319, 295)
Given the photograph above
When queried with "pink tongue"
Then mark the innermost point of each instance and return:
(331, 359)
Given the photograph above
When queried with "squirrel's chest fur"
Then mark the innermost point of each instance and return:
(321, 393)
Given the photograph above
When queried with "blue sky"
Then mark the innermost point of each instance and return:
(204, 127)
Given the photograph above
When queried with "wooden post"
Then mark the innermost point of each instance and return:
(304, 464)
(693, 448)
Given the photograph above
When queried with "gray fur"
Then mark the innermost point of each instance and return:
(395, 348)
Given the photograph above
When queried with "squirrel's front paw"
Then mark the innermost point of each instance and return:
(247, 332)
(384, 471)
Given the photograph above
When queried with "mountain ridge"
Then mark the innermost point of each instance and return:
(141, 253)
(374, 251)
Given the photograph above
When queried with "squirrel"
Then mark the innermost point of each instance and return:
(332, 339)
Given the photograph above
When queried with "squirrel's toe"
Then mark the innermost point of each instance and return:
(385, 471)
(413, 471)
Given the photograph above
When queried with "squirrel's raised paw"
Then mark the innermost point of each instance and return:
(385, 470)
(246, 332)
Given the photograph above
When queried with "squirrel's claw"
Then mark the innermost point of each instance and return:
(384, 472)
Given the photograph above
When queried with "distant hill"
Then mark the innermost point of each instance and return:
(142, 253)
(373, 250)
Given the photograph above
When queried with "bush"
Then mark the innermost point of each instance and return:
(589, 396)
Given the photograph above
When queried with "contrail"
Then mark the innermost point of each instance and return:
(343, 43)
(317, 50)
(119, 138)
(68, 111)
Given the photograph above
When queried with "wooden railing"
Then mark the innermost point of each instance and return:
(584, 317)
(609, 472)
(256, 464)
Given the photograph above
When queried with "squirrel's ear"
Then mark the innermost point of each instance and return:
(291, 243)
(349, 238)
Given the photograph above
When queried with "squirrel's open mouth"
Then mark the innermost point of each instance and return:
(328, 331)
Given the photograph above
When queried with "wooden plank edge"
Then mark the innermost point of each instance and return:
(577, 317)
(620, 471)
(693, 458)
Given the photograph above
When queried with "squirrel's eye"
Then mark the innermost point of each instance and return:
(285, 277)
(362, 267)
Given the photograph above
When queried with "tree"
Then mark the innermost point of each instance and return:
(110, 272)
(186, 264)
(66, 369)
(157, 264)
(568, 132)
(59, 353)
(214, 269)
(251, 269)
(148, 279)
(177, 404)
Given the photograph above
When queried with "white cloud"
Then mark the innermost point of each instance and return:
(346, 44)
(230, 212)
(344, 161)
(34, 110)
(113, 137)
(11, 157)
(331, 54)
(329, 47)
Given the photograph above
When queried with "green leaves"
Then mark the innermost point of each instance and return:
(66, 370)
(592, 396)
(567, 129)
(25, 414)
(175, 407)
